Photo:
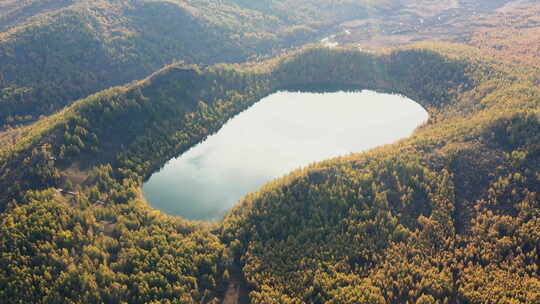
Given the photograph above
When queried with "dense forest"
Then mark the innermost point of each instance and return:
(449, 215)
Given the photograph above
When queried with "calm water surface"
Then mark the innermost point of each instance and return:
(280, 133)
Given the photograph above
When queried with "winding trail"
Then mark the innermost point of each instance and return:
(237, 291)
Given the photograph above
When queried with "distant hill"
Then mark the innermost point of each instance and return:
(54, 52)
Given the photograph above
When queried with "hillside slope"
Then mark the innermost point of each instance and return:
(55, 52)
(450, 214)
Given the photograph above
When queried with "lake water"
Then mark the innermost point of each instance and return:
(280, 133)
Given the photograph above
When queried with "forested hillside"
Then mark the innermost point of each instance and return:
(55, 52)
(61, 55)
(450, 215)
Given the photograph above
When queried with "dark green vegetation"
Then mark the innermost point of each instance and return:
(53, 52)
(450, 215)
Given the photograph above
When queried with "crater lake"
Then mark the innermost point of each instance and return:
(282, 132)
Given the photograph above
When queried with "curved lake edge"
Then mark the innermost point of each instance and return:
(311, 89)
(314, 87)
